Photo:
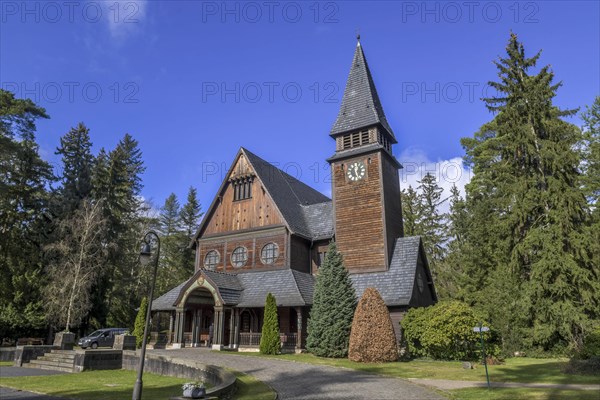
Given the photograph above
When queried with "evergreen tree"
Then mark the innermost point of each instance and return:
(372, 338)
(190, 219)
(591, 155)
(269, 340)
(529, 261)
(173, 243)
(190, 213)
(334, 302)
(451, 277)
(140, 322)
(411, 212)
(431, 223)
(24, 218)
(77, 159)
(117, 182)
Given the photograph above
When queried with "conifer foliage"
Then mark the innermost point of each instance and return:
(372, 338)
(140, 322)
(528, 256)
(334, 302)
(269, 340)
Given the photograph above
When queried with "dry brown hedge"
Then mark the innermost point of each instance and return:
(372, 338)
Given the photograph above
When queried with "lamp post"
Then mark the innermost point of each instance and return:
(145, 258)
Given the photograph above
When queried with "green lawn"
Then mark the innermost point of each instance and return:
(527, 370)
(6, 363)
(118, 384)
(520, 394)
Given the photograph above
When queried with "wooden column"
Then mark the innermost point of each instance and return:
(299, 327)
(231, 328)
(199, 326)
(236, 337)
(179, 326)
(218, 328)
(194, 322)
(171, 327)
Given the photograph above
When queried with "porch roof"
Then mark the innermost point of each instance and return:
(290, 288)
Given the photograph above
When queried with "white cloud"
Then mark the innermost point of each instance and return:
(124, 17)
(447, 172)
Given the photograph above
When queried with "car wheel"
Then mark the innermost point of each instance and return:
(94, 345)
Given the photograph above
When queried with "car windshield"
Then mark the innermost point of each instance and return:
(96, 333)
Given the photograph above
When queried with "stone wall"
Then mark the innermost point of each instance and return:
(7, 353)
(86, 360)
(222, 382)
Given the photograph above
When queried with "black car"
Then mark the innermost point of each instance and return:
(101, 338)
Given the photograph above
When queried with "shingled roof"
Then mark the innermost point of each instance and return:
(301, 206)
(361, 106)
(396, 284)
(249, 289)
(290, 288)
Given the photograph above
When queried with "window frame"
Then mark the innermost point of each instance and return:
(233, 257)
(273, 257)
(218, 260)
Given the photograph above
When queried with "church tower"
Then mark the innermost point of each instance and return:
(365, 182)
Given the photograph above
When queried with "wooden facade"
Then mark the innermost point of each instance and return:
(264, 225)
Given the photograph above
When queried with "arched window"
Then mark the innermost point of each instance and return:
(211, 260)
(239, 256)
(269, 253)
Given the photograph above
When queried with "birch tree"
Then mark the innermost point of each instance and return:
(78, 255)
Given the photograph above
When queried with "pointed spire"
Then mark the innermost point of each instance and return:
(361, 106)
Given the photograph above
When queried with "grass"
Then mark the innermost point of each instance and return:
(6, 363)
(118, 384)
(249, 388)
(525, 370)
(98, 385)
(520, 394)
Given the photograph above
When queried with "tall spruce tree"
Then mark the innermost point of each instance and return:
(77, 159)
(431, 223)
(173, 242)
(411, 212)
(451, 275)
(117, 182)
(24, 217)
(529, 261)
(334, 302)
(190, 215)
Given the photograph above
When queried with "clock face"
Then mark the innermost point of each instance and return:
(356, 171)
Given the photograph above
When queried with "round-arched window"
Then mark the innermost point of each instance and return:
(211, 260)
(239, 256)
(269, 253)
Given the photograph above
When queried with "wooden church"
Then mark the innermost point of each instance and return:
(266, 231)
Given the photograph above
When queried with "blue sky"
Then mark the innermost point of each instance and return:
(193, 81)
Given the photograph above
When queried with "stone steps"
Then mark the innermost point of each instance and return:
(57, 360)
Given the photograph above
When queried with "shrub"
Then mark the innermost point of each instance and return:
(445, 332)
(591, 345)
(372, 338)
(140, 322)
(269, 340)
(333, 307)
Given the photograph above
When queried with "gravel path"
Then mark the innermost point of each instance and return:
(296, 380)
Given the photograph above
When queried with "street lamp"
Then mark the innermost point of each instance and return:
(145, 258)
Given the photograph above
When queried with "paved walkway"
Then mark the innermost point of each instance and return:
(451, 385)
(14, 394)
(296, 380)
